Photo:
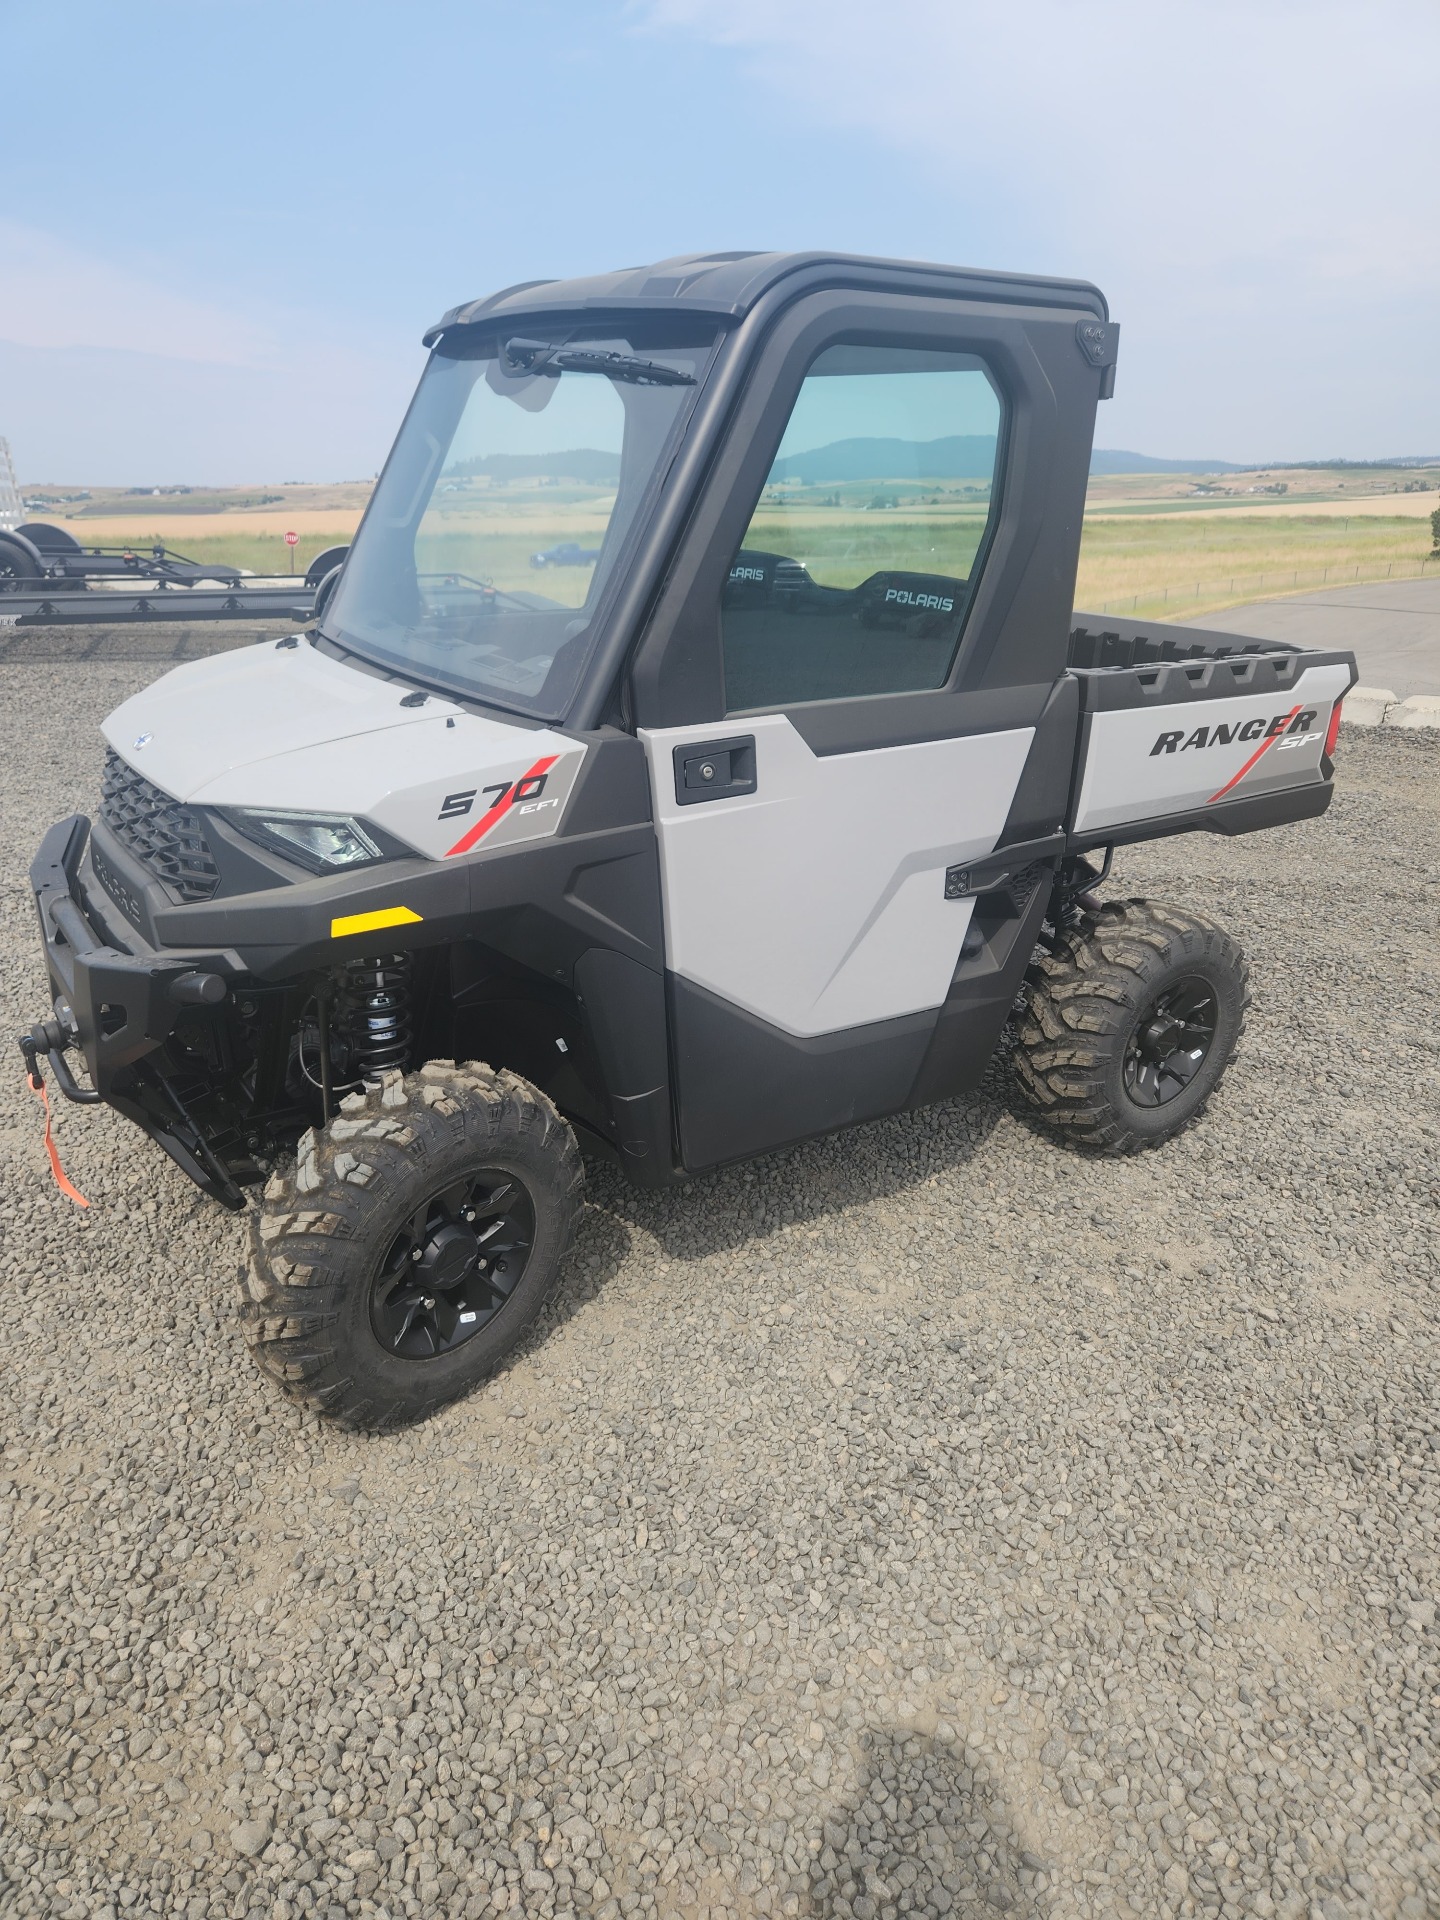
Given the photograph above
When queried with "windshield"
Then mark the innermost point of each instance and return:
(500, 520)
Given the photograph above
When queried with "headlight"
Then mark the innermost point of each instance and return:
(324, 842)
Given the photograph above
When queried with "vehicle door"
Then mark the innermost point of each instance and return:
(839, 696)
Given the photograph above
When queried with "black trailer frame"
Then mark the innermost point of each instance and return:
(103, 606)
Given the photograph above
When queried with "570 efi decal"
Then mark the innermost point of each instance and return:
(525, 791)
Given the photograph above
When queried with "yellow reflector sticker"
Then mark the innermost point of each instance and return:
(372, 922)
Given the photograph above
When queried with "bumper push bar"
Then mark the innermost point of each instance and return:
(117, 1009)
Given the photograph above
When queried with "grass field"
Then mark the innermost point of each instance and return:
(841, 547)
(264, 553)
(1181, 565)
(1166, 562)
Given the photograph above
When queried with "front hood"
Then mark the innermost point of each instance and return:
(209, 718)
(287, 727)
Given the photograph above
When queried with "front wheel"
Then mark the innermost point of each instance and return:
(412, 1244)
(1129, 1025)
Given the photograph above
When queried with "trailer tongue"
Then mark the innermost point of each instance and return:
(794, 784)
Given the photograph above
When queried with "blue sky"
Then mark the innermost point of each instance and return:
(225, 225)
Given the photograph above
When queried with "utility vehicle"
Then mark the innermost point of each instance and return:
(762, 822)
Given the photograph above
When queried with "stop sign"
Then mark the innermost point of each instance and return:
(292, 539)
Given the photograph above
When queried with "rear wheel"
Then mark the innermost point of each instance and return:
(412, 1244)
(19, 561)
(1130, 1024)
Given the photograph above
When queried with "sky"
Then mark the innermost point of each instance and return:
(226, 223)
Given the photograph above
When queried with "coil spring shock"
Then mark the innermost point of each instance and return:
(373, 1009)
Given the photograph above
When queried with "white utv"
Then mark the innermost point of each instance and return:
(760, 820)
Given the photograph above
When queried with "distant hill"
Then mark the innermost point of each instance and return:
(955, 457)
(1103, 460)
(587, 464)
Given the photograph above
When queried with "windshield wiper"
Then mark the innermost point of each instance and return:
(549, 358)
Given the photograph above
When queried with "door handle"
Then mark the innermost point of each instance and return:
(714, 770)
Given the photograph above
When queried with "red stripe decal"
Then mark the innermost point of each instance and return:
(1263, 747)
(501, 807)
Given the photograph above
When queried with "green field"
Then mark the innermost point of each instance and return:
(1184, 565)
(263, 553)
(1157, 564)
(840, 546)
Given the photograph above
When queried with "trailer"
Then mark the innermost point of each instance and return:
(78, 607)
(49, 578)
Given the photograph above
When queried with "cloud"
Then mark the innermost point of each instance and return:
(1238, 131)
(112, 375)
(58, 296)
(1252, 184)
(106, 416)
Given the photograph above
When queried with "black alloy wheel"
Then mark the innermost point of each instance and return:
(1170, 1041)
(453, 1265)
(396, 1267)
(1132, 1016)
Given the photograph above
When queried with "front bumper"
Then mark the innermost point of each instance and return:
(115, 1005)
(119, 1006)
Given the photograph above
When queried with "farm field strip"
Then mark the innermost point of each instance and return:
(1185, 565)
(1171, 558)
(1390, 506)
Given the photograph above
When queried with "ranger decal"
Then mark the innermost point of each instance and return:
(1223, 733)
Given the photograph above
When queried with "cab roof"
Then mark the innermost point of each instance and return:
(726, 285)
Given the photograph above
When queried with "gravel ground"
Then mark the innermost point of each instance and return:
(925, 1521)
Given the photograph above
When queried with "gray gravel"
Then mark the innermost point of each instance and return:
(925, 1521)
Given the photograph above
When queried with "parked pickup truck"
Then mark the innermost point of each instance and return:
(783, 814)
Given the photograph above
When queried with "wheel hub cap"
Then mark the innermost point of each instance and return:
(448, 1256)
(452, 1266)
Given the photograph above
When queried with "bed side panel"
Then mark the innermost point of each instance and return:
(1181, 739)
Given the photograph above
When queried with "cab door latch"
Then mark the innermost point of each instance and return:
(714, 770)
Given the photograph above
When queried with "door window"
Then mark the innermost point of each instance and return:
(862, 553)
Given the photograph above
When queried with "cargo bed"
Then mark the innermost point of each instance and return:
(1181, 730)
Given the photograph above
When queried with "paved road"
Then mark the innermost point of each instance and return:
(1393, 629)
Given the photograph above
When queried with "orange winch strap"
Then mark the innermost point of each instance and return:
(61, 1179)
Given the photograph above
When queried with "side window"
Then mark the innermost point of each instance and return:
(861, 556)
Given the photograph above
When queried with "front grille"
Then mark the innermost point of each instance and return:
(165, 835)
